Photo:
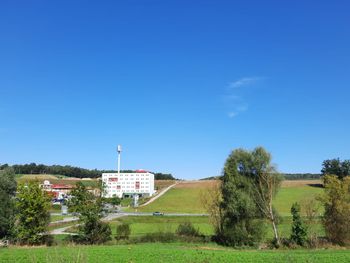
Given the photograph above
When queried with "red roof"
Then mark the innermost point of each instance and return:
(141, 171)
(61, 186)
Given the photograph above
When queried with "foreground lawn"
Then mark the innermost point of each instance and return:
(166, 253)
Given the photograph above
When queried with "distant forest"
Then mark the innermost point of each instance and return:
(301, 176)
(287, 176)
(69, 171)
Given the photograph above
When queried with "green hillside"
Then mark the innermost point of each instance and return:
(185, 197)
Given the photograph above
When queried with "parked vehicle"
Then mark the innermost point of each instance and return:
(158, 214)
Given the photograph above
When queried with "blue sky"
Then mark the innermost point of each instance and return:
(179, 84)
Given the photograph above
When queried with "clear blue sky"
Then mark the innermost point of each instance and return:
(178, 84)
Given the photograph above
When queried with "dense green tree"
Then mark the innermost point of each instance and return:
(7, 209)
(336, 201)
(239, 225)
(299, 232)
(249, 183)
(336, 167)
(90, 208)
(113, 200)
(33, 214)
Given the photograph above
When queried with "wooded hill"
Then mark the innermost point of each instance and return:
(70, 171)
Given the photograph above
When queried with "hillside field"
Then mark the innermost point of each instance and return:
(174, 252)
(185, 196)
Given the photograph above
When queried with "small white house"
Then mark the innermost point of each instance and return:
(139, 182)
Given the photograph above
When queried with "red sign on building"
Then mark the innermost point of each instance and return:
(137, 185)
(114, 179)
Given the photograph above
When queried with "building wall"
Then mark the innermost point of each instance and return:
(128, 183)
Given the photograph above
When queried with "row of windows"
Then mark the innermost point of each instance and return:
(127, 187)
(114, 183)
(123, 191)
(128, 175)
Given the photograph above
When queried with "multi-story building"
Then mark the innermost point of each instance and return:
(128, 184)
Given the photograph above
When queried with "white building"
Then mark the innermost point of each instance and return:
(127, 184)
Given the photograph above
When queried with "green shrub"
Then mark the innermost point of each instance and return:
(242, 233)
(163, 237)
(93, 232)
(123, 232)
(56, 207)
(187, 229)
(299, 233)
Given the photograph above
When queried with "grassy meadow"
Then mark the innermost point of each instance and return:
(141, 225)
(185, 197)
(182, 198)
(172, 252)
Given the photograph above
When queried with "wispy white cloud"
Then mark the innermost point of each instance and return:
(243, 82)
(232, 114)
(234, 98)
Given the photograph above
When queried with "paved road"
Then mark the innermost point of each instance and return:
(65, 220)
(61, 231)
(117, 215)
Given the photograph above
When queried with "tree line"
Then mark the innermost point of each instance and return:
(69, 171)
(301, 176)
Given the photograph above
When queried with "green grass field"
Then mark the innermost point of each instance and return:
(289, 195)
(178, 252)
(141, 225)
(185, 198)
(177, 200)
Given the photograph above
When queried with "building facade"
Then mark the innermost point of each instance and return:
(128, 184)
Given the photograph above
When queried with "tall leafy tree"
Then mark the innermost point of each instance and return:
(7, 209)
(266, 181)
(336, 167)
(336, 201)
(33, 214)
(91, 230)
(249, 184)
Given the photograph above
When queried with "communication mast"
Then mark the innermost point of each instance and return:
(119, 150)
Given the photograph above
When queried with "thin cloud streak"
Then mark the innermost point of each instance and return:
(232, 114)
(236, 103)
(243, 82)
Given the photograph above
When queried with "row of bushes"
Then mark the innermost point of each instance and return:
(185, 232)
